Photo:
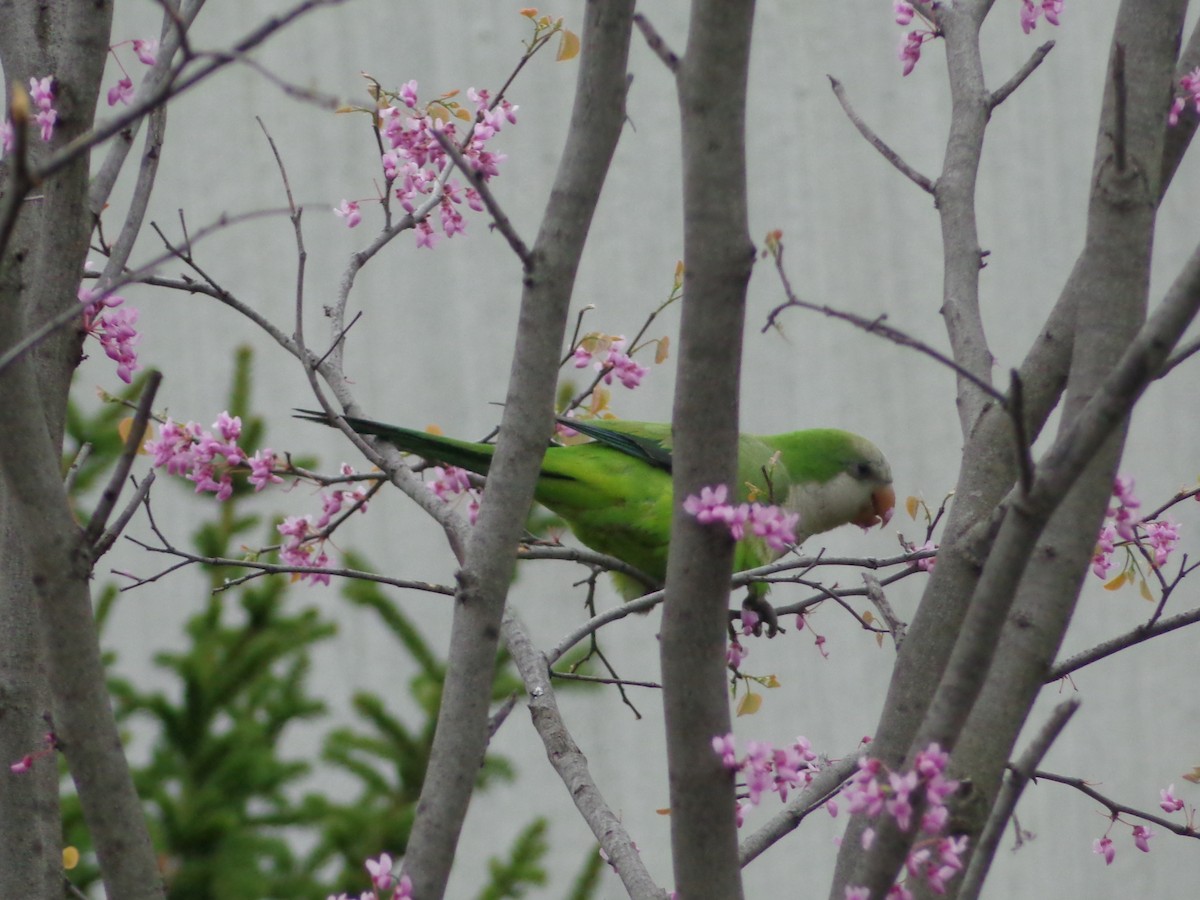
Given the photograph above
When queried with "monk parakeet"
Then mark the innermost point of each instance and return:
(615, 491)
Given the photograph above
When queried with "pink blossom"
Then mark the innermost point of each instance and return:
(261, 464)
(774, 525)
(853, 892)
(1170, 803)
(6, 136)
(1029, 16)
(408, 94)
(146, 50)
(1191, 85)
(1163, 536)
(709, 506)
(380, 871)
(113, 328)
(931, 761)
(348, 210)
(910, 49)
(1104, 847)
(734, 654)
(904, 12)
(122, 92)
(425, 235)
(23, 765)
(1141, 837)
(749, 620)
(725, 747)
(1105, 544)
(46, 119)
(899, 804)
(41, 91)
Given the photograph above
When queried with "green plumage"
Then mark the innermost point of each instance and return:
(615, 491)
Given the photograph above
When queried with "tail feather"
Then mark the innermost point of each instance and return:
(473, 457)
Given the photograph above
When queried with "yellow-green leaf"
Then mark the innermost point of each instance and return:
(1117, 582)
(1145, 591)
(70, 858)
(911, 505)
(749, 704)
(663, 351)
(568, 47)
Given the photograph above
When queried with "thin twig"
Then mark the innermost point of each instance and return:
(133, 443)
(1002, 93)
(874, 326)
(922, 181)
(1122, 642)
(502, 222)
(1010, 792)
(827, 782)
(896, 626)
(655, 42)
(106, 540)
(1115, 809)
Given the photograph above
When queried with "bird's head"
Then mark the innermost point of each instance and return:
(871, 471)
(852, 483)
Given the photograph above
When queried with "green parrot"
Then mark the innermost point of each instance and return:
(615, 490)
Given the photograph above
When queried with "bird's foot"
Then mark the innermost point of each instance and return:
(757, 613)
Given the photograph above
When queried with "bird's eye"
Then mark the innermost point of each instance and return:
(862, 470)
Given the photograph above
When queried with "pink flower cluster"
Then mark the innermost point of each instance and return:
(1126, 528)
(415, 159)
(771, 524)
(936, 860)
(383, 881)
(608, 355)
(304, 536)
(113, 327)
(767, 769)
(1030, 12)
(147, 53)
(41, 92)
(208, 458)
(1191, 85)
(449, 483)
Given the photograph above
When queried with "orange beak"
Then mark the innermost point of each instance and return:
(879, 511)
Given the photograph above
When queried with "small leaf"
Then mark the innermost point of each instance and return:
(434, 429)
(439, 112)
(868, 617)
(749, 704)
(664, 811)
(461, 113)
(1145, 591)
(447, 96)
(911, 505)
(568, 47)
(1117, 582)
(70, 858)
(878, 639)
(1193, 776)
(663, 351)
(126, 425)
(771, 682)
(529, 12)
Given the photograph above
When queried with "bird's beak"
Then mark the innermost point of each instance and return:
(879, 511)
